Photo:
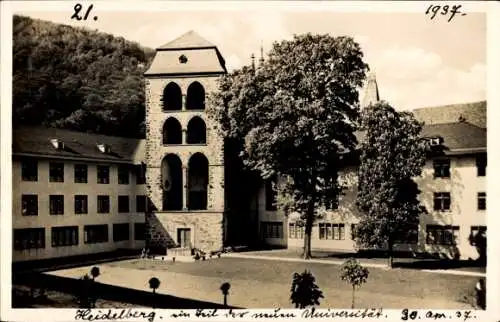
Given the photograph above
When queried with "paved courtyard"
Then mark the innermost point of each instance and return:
(266, 284)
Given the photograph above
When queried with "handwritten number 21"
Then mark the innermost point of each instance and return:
(444, 10)
(78, 8)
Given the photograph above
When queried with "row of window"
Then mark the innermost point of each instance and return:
(442, 201)
(435, 234)
(442, 167)
(29, 172)
(327, 231)
(272, 195)
(172, 97)
(56, 204)
(31, 238)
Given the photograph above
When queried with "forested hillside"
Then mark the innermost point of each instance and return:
(77, 79)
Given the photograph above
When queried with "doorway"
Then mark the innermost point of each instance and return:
(184, 237)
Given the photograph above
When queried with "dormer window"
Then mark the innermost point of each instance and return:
(436, 141)
(183, 59)
(104, 148)
(57, 144)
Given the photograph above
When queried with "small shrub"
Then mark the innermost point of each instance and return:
(95, 272)
(154, 283)
(304, 290)
(225, 291)
(355, 274)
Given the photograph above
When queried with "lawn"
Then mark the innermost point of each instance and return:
(254, 284)
(266, 284)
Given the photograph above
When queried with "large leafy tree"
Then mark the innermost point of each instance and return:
(295, 117)
(392, 154)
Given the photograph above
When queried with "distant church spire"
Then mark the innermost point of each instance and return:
(371, 91)
(253, 61)
(261, 60)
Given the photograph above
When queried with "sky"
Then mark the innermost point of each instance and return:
(418, 62)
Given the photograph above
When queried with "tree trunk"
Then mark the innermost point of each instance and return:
(310, 218)
(389, 253)
(353, 293)
(308, 230)
(225, 300)
(307, 238)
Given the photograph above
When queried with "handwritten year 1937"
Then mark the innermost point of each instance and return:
(78, 7)
(433, 10)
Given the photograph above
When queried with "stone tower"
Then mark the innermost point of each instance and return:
(371, 91)
(184, 154)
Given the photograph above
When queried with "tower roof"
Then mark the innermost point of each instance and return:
(189, 54)
(188, 40)
(371, 91)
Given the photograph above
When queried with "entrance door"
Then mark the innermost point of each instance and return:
(184, 237)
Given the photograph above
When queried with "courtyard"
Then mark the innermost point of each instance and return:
(257, 283)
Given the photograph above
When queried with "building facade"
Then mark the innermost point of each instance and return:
(77, 193)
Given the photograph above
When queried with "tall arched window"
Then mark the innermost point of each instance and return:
(197, 182)
(196, 131)
(195, 97)
(172, 131)
(172, 97)
(171, 182)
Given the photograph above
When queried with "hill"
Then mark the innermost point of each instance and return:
(77, 79)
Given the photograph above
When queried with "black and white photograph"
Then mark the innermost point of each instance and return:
(216, 160)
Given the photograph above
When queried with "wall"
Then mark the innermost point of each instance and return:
(463, 185)
(206, 228)
(43, 188)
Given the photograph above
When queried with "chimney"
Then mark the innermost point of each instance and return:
(371, 91)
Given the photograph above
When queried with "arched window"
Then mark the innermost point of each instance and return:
(196, 131)
(197, 182)
(171, 182)
(172, 97)
(195, 97)
(172, 131)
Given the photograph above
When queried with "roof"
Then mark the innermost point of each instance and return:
(202, 57)
(36, 141)
(474, 113)
(189, 40)
(458, 137)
